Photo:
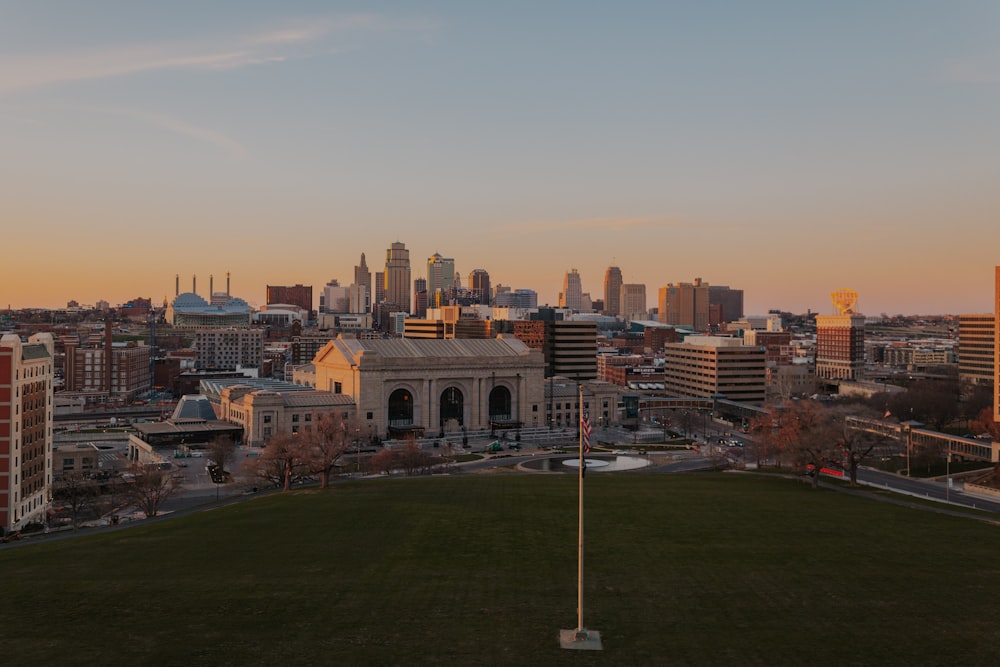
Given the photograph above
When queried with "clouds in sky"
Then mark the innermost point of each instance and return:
(297, 39)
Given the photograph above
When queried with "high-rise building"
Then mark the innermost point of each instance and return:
(612, 292)
(572, 293)
(840, 340)
(397, 276)
(440, 274)
(632, 300)
(976, 363)
(725, 304)
(420, 299)
(336, 298)
(685, 305)
(296, 295)
(996, 347)
(709, 366)
(26, 374)
(379, 289)
(362, 276)
(479, 283)
(520, 298)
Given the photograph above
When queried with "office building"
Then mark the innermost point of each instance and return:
(234, 349)
(479, 285)
(632, 300)
(840, 340)
(440, 276)
(295, 295)
(26, 374)
(714, 366)
(397, 277)
(725, 305)
(976, 348)
(336, 298)
(572, 292)
(685, 304)
(612, 291)
(363, 276)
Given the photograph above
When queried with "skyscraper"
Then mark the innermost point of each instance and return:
(479, 283)
(996, 348)
(440, 274)
(612, 291)
(632, 297)
(363, 276)
(685, 304)
(840, 340)
(26, 375)
(572, 293)
(397, 276)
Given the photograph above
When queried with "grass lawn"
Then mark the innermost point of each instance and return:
(716, 569)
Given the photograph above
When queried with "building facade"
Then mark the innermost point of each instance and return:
(264, 413)
(26, 374)
(440, 274)
(996, 345)
(612, 291)
(119, 372)
(713, 366)
(397, 276)
(296, 295)
(229, 349)
(840, 347)
(572, 292)
(479, 285)
(685, 304)
(632, 300)
(423, 387)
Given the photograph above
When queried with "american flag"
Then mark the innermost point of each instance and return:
(585, 431)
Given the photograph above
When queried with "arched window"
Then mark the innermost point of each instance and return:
(500, 405)
(452, 403)
(400, 408)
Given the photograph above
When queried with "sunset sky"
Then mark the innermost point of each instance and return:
(785, 148)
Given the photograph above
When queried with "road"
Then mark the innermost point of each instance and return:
(922, 488)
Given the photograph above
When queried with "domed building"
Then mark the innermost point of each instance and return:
(192, 311)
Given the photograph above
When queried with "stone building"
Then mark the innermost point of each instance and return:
(421, 387)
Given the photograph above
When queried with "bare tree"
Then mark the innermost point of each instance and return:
(414, 459)
(280, 459)
(812, 437)
(77, 495)
(384, 461)
(150, 486)
(321, 449)
(222, 451)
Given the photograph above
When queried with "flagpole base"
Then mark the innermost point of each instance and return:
(580, 639)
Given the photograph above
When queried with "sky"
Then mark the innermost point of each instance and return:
(785, 148)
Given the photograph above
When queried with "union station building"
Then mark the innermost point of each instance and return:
(423, 387)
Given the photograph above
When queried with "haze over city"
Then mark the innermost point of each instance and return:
(782, 148)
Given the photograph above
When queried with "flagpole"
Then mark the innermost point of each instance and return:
(581, 638)
(579, 555)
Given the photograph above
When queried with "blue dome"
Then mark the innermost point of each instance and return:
(189, 300)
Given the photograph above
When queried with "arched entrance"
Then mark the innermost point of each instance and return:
(500, 406)
(400, 409)
(452, 406)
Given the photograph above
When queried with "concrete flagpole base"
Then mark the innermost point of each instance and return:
(583, 639)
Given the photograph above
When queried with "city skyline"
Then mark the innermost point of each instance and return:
(784, 150)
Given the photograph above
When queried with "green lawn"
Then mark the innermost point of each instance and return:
(682, 570)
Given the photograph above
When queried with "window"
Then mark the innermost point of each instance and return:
(338, 387)
(295, 418)
(309, 417)
(267, 419)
